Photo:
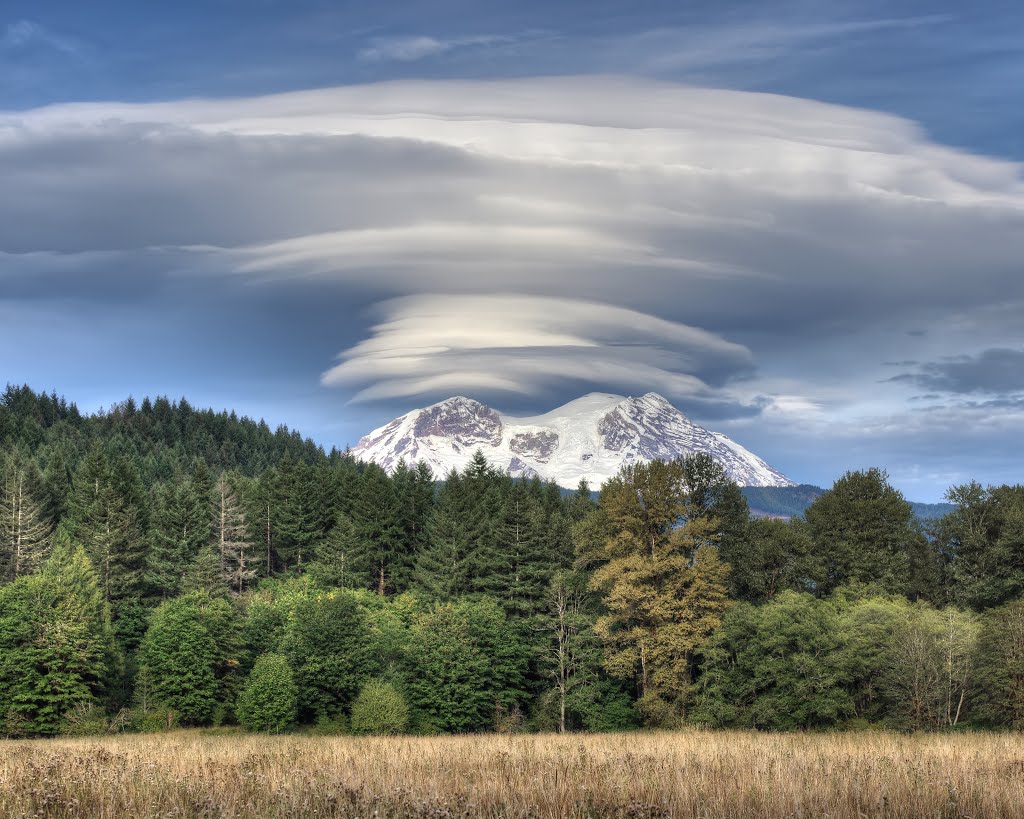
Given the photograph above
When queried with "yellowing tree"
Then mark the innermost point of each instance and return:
(662, 583)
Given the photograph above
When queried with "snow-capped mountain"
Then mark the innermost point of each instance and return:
(591, 437)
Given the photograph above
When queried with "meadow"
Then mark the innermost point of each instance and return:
(664, 774)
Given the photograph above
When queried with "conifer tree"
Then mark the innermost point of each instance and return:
(375, 513)
(440, 572)
(24, 528)
(179, 528)
(55, 643)
(107, 527)
(340, 561)
(237, 563)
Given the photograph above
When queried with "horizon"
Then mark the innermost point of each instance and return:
(803, 225)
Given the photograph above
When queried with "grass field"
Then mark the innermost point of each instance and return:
(692, 773)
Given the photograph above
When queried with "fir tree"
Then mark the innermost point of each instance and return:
(237, 563)
(24, 528)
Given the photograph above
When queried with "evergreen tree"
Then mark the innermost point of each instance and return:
(180, 527)
(380, 540)
(55, 644)
(107, 527)
(440, 572)
(341, 562)
(230, 532)
(24, 528)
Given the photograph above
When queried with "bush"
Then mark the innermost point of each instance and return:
(380, 708)
(152, 720)
(269, 699)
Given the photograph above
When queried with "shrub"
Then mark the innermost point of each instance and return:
(380, 708)
(269, 699)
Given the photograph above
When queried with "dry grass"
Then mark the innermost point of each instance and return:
(692, 773)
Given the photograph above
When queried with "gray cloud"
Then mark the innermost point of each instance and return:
(808, 236)
(996, 370)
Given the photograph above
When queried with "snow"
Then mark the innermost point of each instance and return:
(597, 434)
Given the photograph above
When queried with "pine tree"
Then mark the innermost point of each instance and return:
(440, 572)
(56, 649)
(237, 562)
(179, 527)
(107, 527)
(24, 528)
(340, 562)
(375, 513)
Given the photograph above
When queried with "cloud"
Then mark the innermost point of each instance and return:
(28, 33)
(418, 47)
(694, 48)
(439, 344)
(819, 239)
(997, 370)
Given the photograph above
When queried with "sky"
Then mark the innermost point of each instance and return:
(801, 222)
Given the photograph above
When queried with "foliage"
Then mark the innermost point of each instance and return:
(269, 700)
(464, 664)
(380, 708)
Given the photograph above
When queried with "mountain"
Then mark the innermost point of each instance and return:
(791, 501)
(591, 437)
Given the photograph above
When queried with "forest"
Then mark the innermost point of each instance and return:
(163, 566)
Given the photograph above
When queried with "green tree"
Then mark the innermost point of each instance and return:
(1000, 667)
(465, 664)
(56, 646)
(771, 556)
(331, 651)
(661, 581)
(179, 656)
(25, 530)
(179, 528)
(984, 540)
(380, 708)
(379, 537)
(269, 700)
(107, 526)
(865, 532)
(778, 666)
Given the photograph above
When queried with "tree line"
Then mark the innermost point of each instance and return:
(164, 566)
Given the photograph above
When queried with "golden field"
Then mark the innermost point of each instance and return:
(683, 774)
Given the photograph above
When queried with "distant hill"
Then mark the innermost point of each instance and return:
(791, 501)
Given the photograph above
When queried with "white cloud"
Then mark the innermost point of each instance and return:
(418, 47)
(812, 235)
(25, 33)
(521, 344)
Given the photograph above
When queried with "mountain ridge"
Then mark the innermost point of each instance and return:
(590, 437)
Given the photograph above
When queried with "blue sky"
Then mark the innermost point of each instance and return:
(802, 222)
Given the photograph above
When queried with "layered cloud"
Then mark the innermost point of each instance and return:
(736, 250)
(523, 344)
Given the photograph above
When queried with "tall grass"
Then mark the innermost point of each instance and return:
(684, 774)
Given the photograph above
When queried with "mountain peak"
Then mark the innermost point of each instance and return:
(590, 437)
